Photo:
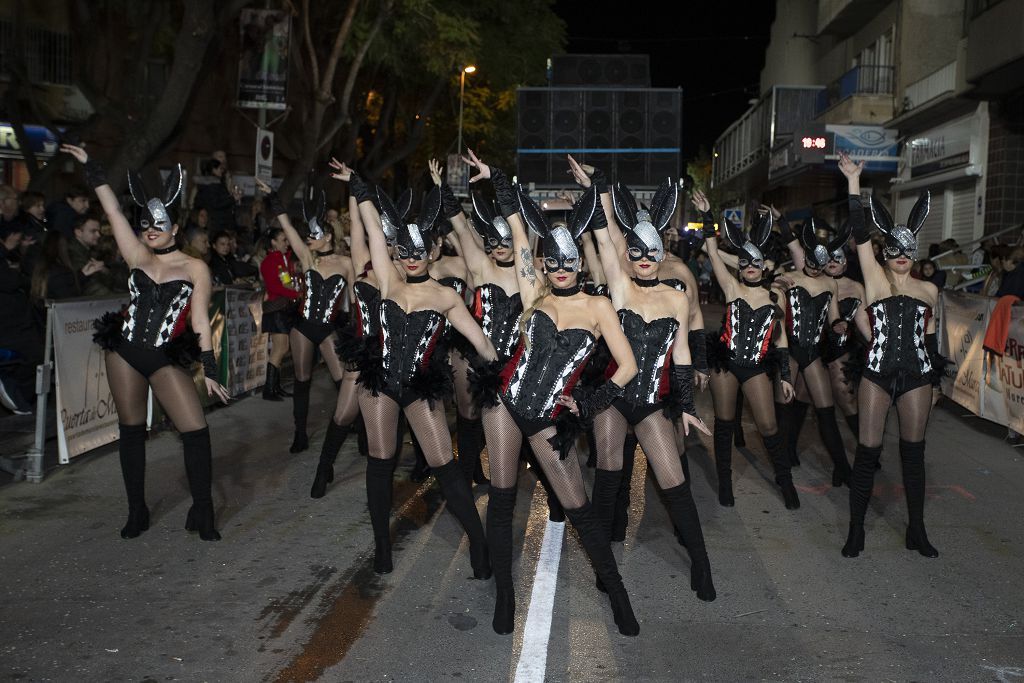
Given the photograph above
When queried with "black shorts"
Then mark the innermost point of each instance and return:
(314, 331)
(528, 426)
(745, 372)
(144, 360)
(803, 356)
(404, 399)
(635, 414)
(896, 383)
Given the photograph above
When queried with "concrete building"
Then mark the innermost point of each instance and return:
(928, 92)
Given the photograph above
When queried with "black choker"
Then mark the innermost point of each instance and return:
(166, 250)
(646, 283)
(752, 284)
(567, 291)
(505, 264)
(416, 279)
(324, 253)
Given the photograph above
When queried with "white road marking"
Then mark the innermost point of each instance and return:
(537, 632)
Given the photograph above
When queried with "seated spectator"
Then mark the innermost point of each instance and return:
(998, 255)
(21, 343)
(55, 277)
(61, 214)
(84, 249)
(1013, 275)
(929, 273)
(224, 267)
(197, 244)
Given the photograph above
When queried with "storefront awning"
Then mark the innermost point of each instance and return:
(969, 171)
(44, 142)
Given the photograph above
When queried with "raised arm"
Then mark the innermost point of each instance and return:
(722, 275)
(796, 250)
(472, 252)
(603, 224)
(461, 319)
(357, 233)
(128, 243)
(377, 243)
(295, 240)
(861, 233)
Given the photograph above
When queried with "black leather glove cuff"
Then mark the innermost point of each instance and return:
(861, 232)
(209, 362)
(503, 192)
(682, 389)
(95, 174)
(449, 204)
(709, 225)
(276, 205)
(785, 232)
(359, 189)
(782, 360)
(591, 403)
(598, 221)
(599, 181)
(698, 350)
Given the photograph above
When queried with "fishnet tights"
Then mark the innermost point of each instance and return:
(172, 387)
(656, 435)
(912, 408)
(303, 355)
(464, 402)
(347, 407)
(380, 414)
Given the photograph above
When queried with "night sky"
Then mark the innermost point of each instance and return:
(716, 54)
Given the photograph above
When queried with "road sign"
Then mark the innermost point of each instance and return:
(735, 215)
(264, 155)
(457, 175)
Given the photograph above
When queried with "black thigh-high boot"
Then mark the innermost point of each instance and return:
(740, 441)
(603, 497)
(776, 448)
(336, 435)
(300, 411)
(599, 550)
(722, 440)
(828, 429)
(460, 501)
(132, 447)
(620, 522)
(379, 473)
(683, 511)
(278, 389)
(685, 462)
(862, 480)
(469, 438)
(796, 413)
(199, 469)
(501, 505)
(270, 384)
(912, 459)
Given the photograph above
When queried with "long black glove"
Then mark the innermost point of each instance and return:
(449, 204)
(276, 205)
(861, 232)
(503, 192)
(782, 359)
(937, 360)
(785, 232)
(95, 174)
(709, 225)
(599, 181)
(698, 351)
(209, 362)
(590, 403)
(680, 392)
(359, 188)
(598, 221)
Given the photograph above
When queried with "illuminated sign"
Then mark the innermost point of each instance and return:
(813, 143)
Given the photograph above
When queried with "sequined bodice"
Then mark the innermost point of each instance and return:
(651, 343)
(898, 325)
(747, 331)
(805, 316)
(322, 298)
(157, 311)
(408, 341)
(367, 309)
(498, 315)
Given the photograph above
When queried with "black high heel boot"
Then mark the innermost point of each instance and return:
(795, 414)
(596, 545)
(620, 522)
(132, 449)
(683, 512)
(278, 389)
(199, 469)
(270, 383)
(912, 459)
(739, 440)
(300, 411)
(722, 440)
(379, 474)
(460, 502)
(603, 495)
(469, 435)
(783, 475)
(828, 429)
(333, 441)
(501, 505)
(862, 480)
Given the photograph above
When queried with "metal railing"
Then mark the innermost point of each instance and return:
(860, 80)
(46, 54)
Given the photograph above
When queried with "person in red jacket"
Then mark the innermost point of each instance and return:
(278, 308)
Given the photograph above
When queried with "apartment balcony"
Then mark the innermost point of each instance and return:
(995, 47)
(841, 18)
(743, 148)
(861, 95)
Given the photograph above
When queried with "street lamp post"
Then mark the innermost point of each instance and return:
(462, 91)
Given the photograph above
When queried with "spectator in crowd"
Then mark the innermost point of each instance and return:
(9, 207)
(929, 273)
(953, 257)
(83, 254)
(224, 267)
(33, 214)
(998, 255)
(199, 218)
(197, 244)
(215, 196)
(982, 254)
(1013, 274)
(258, 223)
(279, 308)
(61, 214)
(55, 277)
(21, 345)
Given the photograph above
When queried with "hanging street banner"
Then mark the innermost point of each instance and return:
(263, 63)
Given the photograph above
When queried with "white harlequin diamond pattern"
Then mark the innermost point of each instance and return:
(766, 325)
(822, 317)
(385, 340)
(734, 324)
(659, 366)
(795, 312)
(920, 324)
(564, 373)
(332, 301)
(879, 335)
(128, 327)
(175, 309)
(307, 303)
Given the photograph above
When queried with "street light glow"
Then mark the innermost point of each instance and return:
(470, 69)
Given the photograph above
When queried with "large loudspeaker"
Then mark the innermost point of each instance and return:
(601, 70)
(631, 133)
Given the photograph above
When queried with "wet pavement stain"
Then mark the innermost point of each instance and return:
(287, 608)
(348, 604)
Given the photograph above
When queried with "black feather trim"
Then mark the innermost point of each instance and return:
(108, 328)
(485, 381)
(593, 374)
(458, 342)
(183, 350)
(718, 352)
(371, 371)
(939, 363)
(853, 366)
(351, 348)
(568, 428)
(435, 382)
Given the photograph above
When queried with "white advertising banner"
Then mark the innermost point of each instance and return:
(1009, 373)
(244, 341)
(964, 319)
(86, 415)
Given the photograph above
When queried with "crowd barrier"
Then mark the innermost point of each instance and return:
(986, 384)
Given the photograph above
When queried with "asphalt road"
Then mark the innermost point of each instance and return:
(289, 594)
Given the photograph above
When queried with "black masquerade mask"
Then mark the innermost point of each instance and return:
(558, 244)
(412, 240)
(155, 212)
(314, 208)
(642, 228)
(816, 254)
(900, 240)
(490, 224)
(748, 247)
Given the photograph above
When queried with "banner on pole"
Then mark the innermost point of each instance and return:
(263, 63)
(86, 415)
(264, 155)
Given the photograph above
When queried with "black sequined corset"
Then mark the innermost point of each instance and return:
(898, 325)
(367, 318)
(675, 283)
(498, 315)
(652, 347)
(322, 298)
(805, 317)
(456, 283)
(408, 342)
(157, 311)
(747, 332)
(545, 366)
(848, 308)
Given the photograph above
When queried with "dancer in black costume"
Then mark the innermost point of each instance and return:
(144, 349)
(738, 361)
(537, 402)
(903, 365)
(655, 319)
(412, 374)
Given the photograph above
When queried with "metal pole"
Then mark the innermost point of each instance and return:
(462, 90)
(34, 466)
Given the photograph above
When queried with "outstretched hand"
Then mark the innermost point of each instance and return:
(849, 167)
(340, 171)
(215, 388)
(695, 422)
(435, 171)
(483, 170)
(580, 172)
(262, 186)
(770, 208)
(79, 153)
(787, 392)
(700, 201)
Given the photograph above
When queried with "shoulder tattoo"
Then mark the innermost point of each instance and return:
(527, 271)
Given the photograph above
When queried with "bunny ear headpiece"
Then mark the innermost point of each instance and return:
(558, 244)
(411, 240)
(900, 240)
(155, 211)
(490, 224)
(749, 247)
(642, 228)
(314, 207)
(404, 204)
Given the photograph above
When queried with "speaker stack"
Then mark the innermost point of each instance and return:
(603, 112)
